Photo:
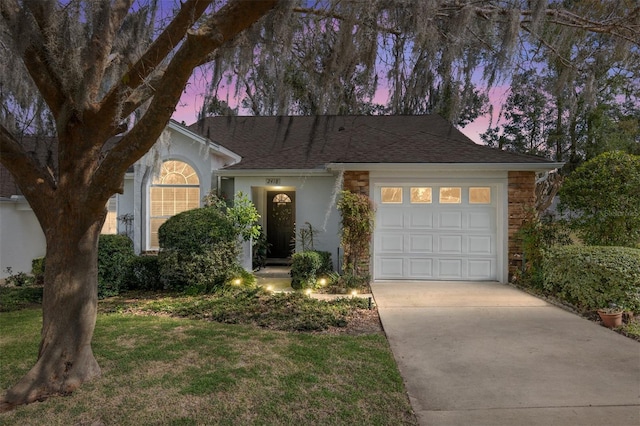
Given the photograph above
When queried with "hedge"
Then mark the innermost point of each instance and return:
(198, 249)
(114, 254)
(593, 277)
(307, 266)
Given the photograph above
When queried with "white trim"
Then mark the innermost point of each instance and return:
(273, 172)
(436, 167)
(235, 158)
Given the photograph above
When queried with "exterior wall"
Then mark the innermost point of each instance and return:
(126, 206)
(315, 203)
(522, 186)
(21, 238)
(356, 182)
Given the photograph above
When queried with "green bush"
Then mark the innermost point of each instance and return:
(592, 277)
(19, 279)
(143, 274)
(198, 248)
(604, 195)
(308, 266)
(538, 237)
(326, 265)
(114, 254)
(37, 270)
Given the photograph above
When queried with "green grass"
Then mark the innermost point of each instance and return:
(14, 298)
(179, 371)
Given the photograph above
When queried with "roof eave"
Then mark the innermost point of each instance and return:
(273, 172)
(535, 167)
(221, 150)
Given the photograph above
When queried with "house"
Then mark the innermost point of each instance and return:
(446, 207)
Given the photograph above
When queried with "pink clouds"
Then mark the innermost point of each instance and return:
(192, 100)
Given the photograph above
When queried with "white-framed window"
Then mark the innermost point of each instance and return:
(391, 194)
(110, 225)
(450, 195)
(480, 195)
(175, 190)
(421, 195)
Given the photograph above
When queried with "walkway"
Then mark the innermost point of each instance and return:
(488, 354)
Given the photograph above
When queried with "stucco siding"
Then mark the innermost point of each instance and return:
(315, 204)
(21, 238)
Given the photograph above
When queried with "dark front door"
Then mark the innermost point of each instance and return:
(281, 215)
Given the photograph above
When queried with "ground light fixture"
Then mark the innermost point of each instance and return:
(322, 281)
(269, 288)
(354, 293)
(237, 281)
(308, 292)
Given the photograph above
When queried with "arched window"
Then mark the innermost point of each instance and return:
(175, 190)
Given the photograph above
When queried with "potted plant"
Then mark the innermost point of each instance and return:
(611, 316)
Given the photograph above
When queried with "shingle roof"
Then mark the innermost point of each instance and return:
(310, 142)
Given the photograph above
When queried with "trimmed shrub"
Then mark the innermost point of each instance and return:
(114, 254)
(593, 277)
(326, 265)
(144, 274)
(198, 248)
(604, 195)
(307, 266)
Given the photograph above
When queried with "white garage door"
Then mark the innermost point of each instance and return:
(435, 232)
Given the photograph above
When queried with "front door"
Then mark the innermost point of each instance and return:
(280, 222)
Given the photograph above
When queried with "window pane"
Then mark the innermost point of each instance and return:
(174, 179)
(450, 195)
(193, 198)
(175, 172)
(392, 195)
(420, 195)
(480, 195)
(156, 201)
(168, 195)
(153, 235)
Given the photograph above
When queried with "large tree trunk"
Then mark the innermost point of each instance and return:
(69, 305)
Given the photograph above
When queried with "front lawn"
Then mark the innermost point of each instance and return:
(161, 369)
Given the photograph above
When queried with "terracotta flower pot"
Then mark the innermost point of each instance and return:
(612, 320)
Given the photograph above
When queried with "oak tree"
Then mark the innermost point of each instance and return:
(87, 87)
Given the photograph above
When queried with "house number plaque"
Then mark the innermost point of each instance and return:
(273, 181)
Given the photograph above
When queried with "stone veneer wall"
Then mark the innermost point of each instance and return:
(358, 183)
(522, 197)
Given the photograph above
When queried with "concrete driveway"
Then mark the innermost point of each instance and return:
(478, 353)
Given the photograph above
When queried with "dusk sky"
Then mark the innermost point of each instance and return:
(189, 106)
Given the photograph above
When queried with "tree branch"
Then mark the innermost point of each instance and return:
(227, 23)
(34, 56)
(36, 184)
(335, 15)
(166, 42)
(96, 53)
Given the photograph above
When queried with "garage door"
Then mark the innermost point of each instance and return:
(435, 232)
